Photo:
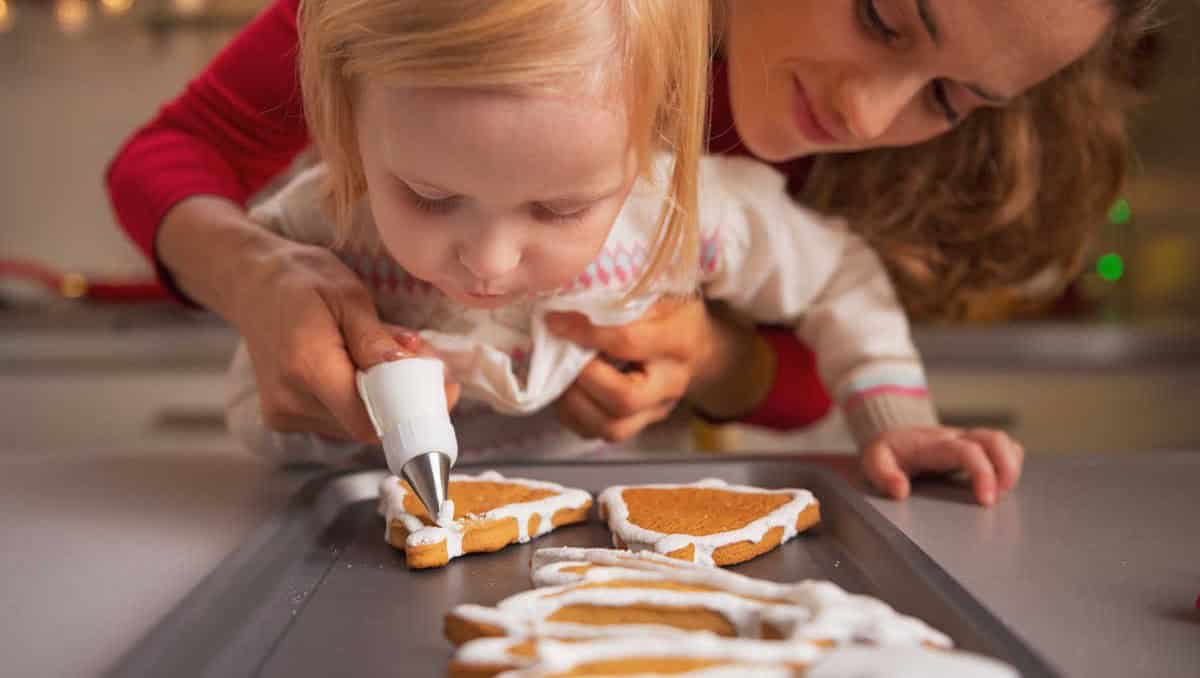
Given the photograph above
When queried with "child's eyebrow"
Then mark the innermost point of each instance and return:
(432, 188)
(583, 197)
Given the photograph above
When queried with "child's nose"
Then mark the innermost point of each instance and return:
(490, 257)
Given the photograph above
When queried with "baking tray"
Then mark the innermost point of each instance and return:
(317, 592)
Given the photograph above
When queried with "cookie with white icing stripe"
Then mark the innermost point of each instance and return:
(704, 656)
(693, 655)
(708, 522)
(489, 512)
(588, 593)
(626, 603)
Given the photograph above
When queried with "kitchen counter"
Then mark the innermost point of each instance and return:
(1093, 561)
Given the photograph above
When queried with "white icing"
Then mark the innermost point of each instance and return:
(871, 639)
(762, 658)
(445, 513)
(832, 614)
(905, 662)
(489, 651)
(391, 505)
(527, 613)
(638, 538)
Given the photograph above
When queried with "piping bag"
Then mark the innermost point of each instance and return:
(406, 401)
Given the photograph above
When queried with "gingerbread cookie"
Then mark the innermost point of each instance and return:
(708, 656)
(830, 616)
(709, 522)
(691, 655)
(489, 512)
(603, 592)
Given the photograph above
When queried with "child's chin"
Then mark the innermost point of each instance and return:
(482, 302)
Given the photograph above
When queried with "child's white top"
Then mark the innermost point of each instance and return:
(761, 253)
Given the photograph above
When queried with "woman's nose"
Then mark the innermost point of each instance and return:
(870, 104)
(491, 255)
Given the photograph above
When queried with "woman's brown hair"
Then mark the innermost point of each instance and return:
(1010, 193)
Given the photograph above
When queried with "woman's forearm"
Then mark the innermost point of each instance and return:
(205, 243)
(738, 371)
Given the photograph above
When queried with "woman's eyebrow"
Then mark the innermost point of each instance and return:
(929, 21)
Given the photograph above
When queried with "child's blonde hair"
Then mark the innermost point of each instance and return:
(661, 47)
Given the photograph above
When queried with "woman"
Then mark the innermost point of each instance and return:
(1028, 146)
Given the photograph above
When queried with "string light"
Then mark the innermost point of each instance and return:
(6, 17)
(1110, 267)
(188, 7)
(1120, 212)
(116, 7)
(71, 15)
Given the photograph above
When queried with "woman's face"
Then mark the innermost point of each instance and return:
(818, 76)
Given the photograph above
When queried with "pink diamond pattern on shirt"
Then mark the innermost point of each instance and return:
(615, 266)
(381, 273)
(621, 264)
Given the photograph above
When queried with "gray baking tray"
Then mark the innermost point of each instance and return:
(317, 592)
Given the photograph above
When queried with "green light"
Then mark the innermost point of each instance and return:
(1120, 212)
(1110, 267)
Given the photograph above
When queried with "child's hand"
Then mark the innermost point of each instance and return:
(411, 343)
(667, 344)
(991, 459)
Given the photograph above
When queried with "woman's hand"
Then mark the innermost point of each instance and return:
(309, 323)
(990, 458)
(677, 350)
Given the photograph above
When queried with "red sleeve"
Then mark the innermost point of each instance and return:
(235, 126)
(797, 397)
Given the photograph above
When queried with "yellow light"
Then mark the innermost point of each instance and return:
(116, 7)
(6, 17)
(188, 7)
(71, 15)
(73, 286)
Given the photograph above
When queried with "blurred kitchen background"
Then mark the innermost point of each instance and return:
(1116, 367)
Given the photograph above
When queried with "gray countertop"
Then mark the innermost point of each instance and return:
(1095, 561)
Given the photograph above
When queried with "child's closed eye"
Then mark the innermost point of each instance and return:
(560, 213)
(434, 205)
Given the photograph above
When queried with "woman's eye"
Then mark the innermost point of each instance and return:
(941, 101)
(868, 15)
(559, 214)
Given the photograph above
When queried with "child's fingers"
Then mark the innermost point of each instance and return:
(1005, 454)
(664, 331)
(625, 394)
(972, 459)
(578, 412)
(883, 471)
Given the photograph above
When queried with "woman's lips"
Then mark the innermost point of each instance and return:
(806, 119)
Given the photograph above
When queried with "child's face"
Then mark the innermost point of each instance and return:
(491, 196)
